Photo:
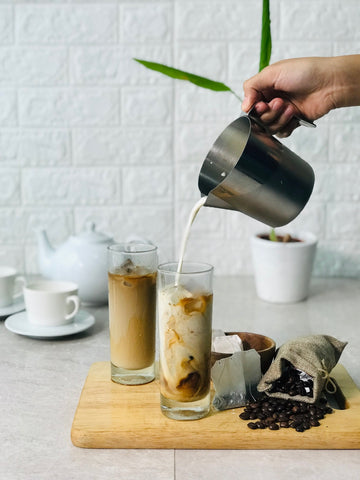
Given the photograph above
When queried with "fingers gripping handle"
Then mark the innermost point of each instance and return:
(302, 121)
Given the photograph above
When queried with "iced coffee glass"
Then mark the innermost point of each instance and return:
(185, 315)
(132, 312)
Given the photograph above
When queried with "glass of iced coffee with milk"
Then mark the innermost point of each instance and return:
(132, 312)
(184, 299)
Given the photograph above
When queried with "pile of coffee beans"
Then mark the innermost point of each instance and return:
(293, 382)
(275, 413)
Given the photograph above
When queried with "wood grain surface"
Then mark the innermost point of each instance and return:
(118, 416)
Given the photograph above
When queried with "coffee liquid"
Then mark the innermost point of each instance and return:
(132, 300)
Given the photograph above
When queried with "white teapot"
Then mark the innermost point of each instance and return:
(81, 259)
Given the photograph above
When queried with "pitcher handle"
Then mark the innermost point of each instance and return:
(304, 122)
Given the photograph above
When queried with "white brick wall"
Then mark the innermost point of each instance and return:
(88, 134)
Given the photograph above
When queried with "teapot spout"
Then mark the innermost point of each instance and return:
(45, 253)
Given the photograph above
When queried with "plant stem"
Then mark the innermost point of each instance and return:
(273, 236)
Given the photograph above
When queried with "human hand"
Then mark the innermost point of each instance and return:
(297, 87)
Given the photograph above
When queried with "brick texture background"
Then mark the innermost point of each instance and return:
(88, 134)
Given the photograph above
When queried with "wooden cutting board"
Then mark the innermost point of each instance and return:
(110, 415)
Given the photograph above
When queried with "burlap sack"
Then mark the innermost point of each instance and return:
(316, 355)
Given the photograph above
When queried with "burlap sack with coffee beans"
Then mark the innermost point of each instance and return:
(316, 355)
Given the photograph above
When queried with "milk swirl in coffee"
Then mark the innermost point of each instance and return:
(185, 313)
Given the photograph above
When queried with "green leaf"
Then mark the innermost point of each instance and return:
(190, 77)
(272, 236)
(266, 45)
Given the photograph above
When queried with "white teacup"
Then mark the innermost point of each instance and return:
(51, 303)
(9, 280)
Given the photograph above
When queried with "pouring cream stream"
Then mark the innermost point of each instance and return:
(185, 237)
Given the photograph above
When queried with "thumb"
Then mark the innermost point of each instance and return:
(254, 88)
(251, 96)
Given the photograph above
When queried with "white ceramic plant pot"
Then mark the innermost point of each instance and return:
(282, 271)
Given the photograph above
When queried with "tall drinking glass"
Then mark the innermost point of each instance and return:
(132, 312)
(185, 316)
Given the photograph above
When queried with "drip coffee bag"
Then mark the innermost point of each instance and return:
(236, 375)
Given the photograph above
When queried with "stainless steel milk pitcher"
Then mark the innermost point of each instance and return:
(250, 171)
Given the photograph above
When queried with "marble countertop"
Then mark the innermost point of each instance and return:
(41, 381)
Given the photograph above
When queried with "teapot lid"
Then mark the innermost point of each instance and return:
(90, 235)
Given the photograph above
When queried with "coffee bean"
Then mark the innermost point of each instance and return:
(269, 420)
(260, 425)
(301, 390)
(275, 413)
(291, 383)
(244, 416)
(274, 426)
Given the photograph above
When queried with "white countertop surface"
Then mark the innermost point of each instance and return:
(41, 381)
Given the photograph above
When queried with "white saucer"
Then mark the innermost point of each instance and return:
(19, 323)
(17, 306)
